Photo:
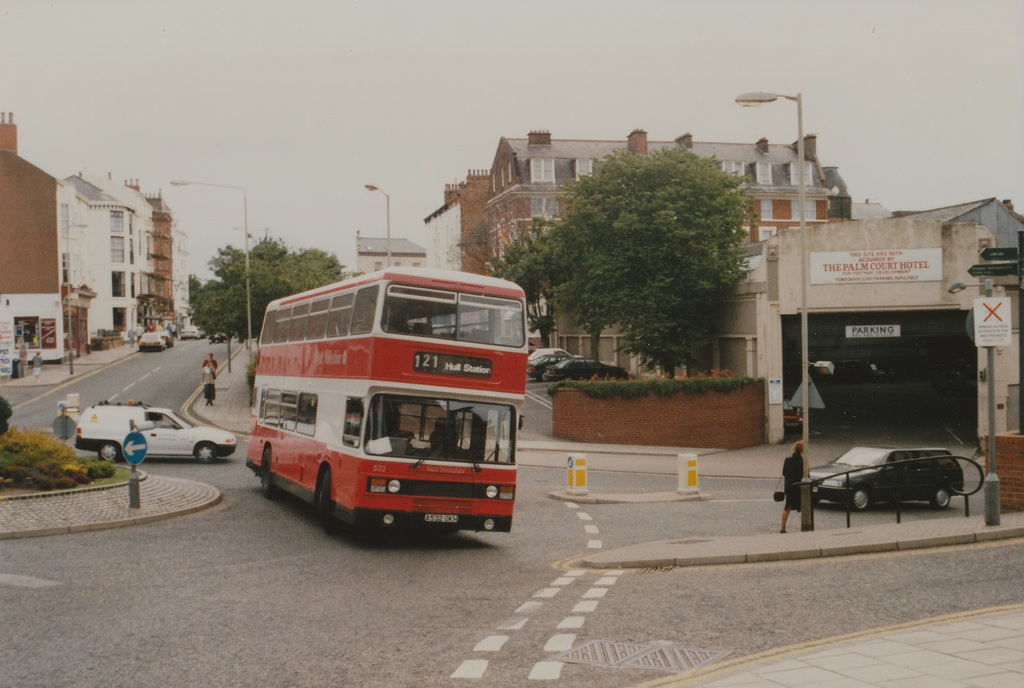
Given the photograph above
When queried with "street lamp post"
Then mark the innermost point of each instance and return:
(245, 212)
(371, 187)
(754, 100)
(991, 478)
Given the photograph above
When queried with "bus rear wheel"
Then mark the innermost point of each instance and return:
(267, 476)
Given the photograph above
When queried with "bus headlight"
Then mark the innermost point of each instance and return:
(489, 524)
(394, 486)
(491, 491)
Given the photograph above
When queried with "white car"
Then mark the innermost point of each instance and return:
(189, 332)
(152, 341)
(102, 428)
(545, 352)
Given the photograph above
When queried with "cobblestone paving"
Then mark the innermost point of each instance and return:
(94, 509)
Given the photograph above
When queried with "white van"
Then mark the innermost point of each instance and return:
(103, 427)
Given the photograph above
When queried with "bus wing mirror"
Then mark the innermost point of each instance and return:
(522, 420)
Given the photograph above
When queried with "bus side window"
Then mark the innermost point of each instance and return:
(366, 308)
(318, 319)
(353, 422)
(340, 316)
(272, 414)
(283, 325)
(289, 410)
(306, 421)
(267, 334)
(299, 321)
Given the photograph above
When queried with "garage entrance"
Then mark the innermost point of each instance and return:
(889, 377)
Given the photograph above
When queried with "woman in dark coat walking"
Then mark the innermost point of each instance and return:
(792, 473)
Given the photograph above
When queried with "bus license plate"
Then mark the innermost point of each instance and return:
(441, 518)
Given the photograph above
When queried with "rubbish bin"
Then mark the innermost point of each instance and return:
(15, 368)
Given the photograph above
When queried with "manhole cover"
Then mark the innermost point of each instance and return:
(659, 656)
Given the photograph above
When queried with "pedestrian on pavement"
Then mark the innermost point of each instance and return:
(792, 473)
(37, 365)
(209, 390)
(131, 336)
(212, 362)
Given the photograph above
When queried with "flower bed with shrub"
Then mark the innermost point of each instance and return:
(711, 410)
(36, 462)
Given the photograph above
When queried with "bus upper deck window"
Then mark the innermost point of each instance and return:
(267, 334)
(366, 307)
(283, 326)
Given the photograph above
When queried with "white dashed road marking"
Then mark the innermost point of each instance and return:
(546, 671)
(491, 643)
(561, 642)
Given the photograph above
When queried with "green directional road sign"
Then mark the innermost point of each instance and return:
(992, 269)
(999, 253)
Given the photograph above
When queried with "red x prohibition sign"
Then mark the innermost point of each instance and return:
(992, 326)
(992, 312)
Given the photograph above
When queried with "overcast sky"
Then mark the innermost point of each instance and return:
(918, 103)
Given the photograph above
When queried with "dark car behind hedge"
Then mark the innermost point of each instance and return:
(578, 368)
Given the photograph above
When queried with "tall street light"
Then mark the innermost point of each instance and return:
(991, 478)
(754, 100)
(245, 210)
(371, 187)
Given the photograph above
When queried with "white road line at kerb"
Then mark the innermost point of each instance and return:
(540, 400)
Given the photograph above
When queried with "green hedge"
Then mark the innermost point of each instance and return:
(662, 387)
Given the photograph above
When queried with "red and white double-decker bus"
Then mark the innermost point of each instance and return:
(393, 399)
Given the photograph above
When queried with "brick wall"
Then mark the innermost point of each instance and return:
(1010, 469)
(713, 420)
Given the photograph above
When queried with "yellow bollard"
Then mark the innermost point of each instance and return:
(688, 474)
(578, 474)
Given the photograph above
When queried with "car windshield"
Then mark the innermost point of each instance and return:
(184, 423)
(863, 456)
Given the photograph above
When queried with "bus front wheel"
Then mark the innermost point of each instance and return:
(267, 476)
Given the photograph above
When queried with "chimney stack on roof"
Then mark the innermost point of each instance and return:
(762, 145)
(810, 146)
(686, 140)
(8, 133)
(540, 138)
(637, 142)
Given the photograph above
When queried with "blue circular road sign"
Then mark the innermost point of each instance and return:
(134, 448)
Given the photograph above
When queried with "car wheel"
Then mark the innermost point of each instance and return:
(324, 504)
(267, 485)
(860, 500)
(110, 451)
(940, 499)
(205, 452)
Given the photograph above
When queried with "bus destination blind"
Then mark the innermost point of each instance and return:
(450, 364)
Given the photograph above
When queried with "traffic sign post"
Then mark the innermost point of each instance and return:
(134, 450)
(1000, 253)
(992, 269)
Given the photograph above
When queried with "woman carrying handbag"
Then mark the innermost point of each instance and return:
(792, 473)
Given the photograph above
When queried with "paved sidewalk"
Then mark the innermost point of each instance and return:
(980, 648)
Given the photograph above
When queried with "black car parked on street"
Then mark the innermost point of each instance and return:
(935, 478)
(535, 369)
(578, 368)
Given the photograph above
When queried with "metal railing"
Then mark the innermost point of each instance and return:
(901, 468)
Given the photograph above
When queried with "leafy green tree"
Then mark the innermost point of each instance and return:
(649, 242)
(530, 264)
(274, 271)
